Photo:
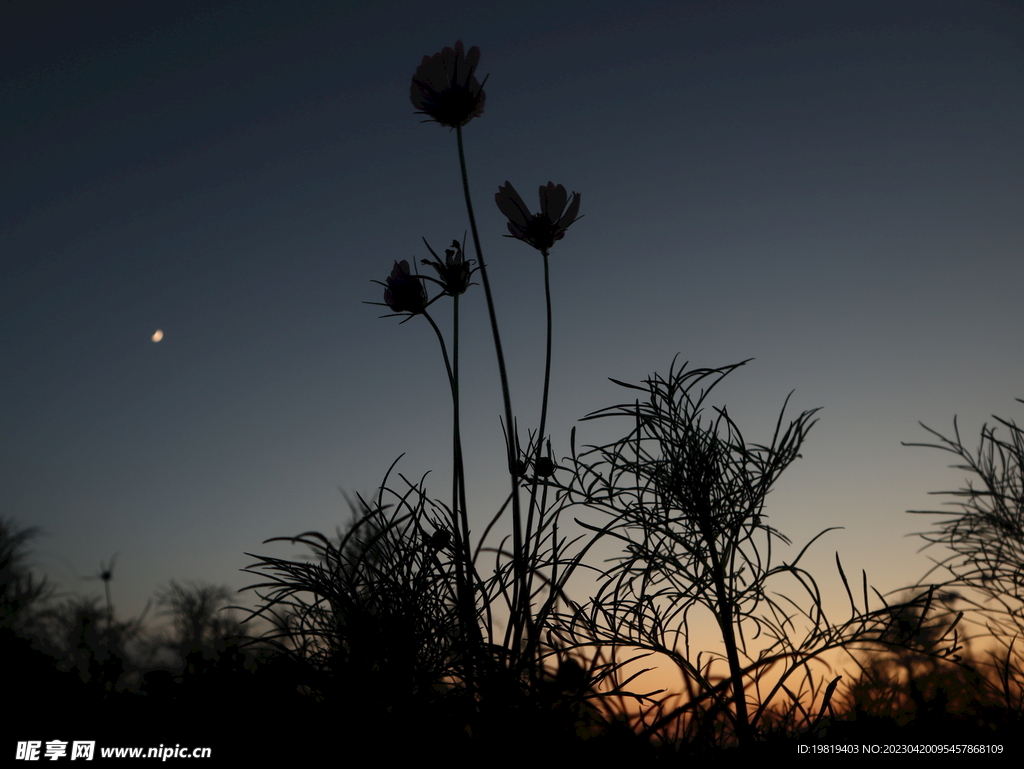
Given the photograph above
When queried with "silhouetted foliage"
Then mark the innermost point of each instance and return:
(686, 496)
(986, 534)
(411, 633)
(92, 647)
(20, 592)
(201, 621)
(372, 613)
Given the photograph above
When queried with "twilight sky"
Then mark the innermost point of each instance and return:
(832, 189)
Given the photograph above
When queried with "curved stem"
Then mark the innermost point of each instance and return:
(460, 532)
(543, 418)
(517, 534)
(547, 356)
(444, 351)
(544, 398)
(459, 493)
(461, 522)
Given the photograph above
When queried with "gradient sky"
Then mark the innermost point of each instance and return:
(832, 189)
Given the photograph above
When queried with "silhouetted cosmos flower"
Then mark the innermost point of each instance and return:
(454, 272)
(403, 291)
(445, 88)
(543, 229)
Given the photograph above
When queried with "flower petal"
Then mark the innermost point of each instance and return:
(472, 58)
(552, 201)
(570, 215)
(512, 205)
(448, 62)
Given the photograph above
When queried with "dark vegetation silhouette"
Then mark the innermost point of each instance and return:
(106, 575)
(73, 670)
(414, 632)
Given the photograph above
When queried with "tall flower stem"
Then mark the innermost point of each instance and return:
(444, 349)
(453, 384)
(543, 412)
(464, 570)
(459, 490)
(460, 521)
(516, 621)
